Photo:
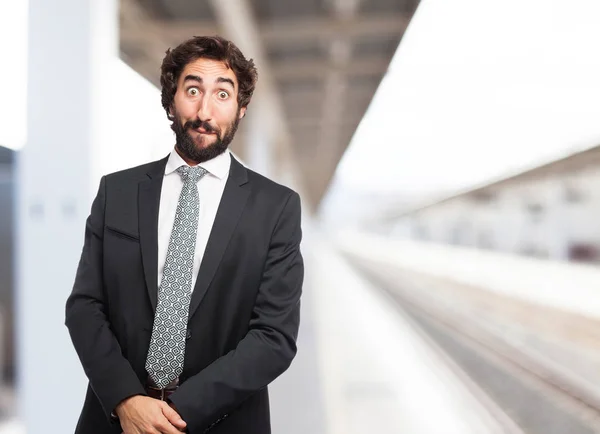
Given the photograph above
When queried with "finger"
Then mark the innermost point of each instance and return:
(173, 416)
(166, 428)
(153, 429)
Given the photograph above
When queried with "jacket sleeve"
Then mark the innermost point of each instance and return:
(269, 346)
(111, 376)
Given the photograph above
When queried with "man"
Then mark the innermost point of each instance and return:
(186, 301)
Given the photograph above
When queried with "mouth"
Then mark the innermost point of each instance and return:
(203, 131)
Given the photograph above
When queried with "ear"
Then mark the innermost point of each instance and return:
(242, 112)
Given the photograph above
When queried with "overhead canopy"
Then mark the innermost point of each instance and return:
(321, 59)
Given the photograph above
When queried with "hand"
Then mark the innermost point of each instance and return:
(171, 405)
(144, 415)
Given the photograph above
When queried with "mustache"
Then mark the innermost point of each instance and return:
(197, 123)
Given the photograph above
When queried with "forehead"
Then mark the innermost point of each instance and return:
(209, 70)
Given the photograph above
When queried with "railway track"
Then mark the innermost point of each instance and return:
(525, 392)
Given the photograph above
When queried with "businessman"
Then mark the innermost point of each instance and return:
(186, 301)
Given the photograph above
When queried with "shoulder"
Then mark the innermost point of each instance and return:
(267, 187)
(137, 173)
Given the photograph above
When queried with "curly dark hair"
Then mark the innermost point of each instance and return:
(209, 47)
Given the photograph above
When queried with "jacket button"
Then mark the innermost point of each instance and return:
(188, 334)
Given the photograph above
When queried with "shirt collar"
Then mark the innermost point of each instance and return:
(218, 166)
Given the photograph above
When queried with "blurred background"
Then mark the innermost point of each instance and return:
(447, 153)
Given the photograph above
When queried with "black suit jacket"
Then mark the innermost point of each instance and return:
(244, 312)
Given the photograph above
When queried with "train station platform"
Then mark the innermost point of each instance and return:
(403, 337)
(526, 331)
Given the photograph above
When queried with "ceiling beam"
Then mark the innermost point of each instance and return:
(238, 24)
(297, 110)
(361, 93)
(283, 32)
(136, 27)
(361, 66)
(313, 123)
(333, 115)
(280, 32)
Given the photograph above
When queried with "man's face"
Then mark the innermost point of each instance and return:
(205, 109)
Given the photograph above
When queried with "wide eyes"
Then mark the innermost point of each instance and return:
(194, 92)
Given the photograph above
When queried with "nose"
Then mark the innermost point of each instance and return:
(205, 109)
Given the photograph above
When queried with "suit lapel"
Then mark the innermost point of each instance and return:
(148, 205)
(229, 211)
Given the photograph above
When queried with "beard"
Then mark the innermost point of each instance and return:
(187, 146)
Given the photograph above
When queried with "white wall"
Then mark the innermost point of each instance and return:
(87, 114)
(13, 73)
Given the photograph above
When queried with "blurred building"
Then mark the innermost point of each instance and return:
(550, 211)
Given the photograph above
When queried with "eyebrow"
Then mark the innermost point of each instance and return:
(192, 77)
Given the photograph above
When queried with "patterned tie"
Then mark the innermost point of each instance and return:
(167, 344)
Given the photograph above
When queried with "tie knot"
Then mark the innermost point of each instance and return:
(191, 174)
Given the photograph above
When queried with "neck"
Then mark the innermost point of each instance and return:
(186, 159)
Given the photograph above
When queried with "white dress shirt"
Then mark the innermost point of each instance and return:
(210, 189)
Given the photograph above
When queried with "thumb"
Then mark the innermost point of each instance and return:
(173, 416)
